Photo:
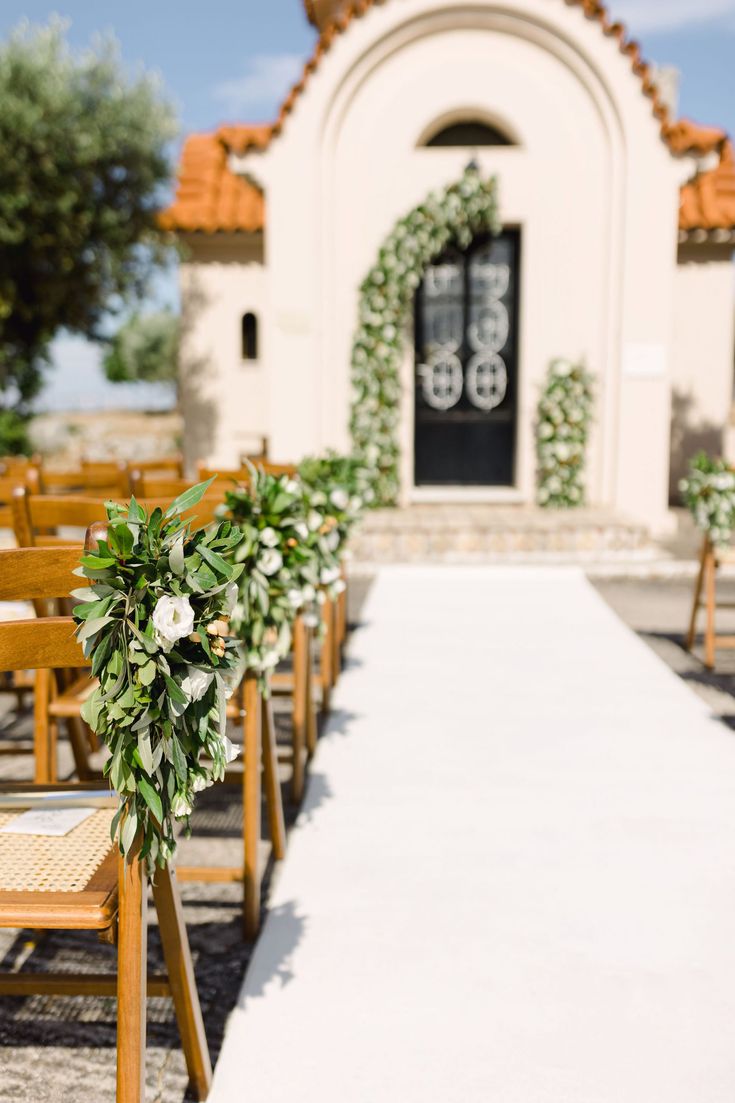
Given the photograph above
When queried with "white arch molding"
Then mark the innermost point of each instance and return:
(521, 22)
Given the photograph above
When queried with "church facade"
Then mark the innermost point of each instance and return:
(617, 224)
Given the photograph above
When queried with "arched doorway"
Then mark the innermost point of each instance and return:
(466, 365)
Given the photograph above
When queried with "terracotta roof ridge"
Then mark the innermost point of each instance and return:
(592, 9)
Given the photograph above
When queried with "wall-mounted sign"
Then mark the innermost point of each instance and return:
(644, 359)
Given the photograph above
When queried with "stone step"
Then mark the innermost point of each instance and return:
(487, 533)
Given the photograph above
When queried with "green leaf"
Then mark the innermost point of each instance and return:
(97, 563)
(175, 691)
(135, 511)
(91, 627)
(147, 673)
(176, 556)
(151, 797)
(144, 750)
(189, 498)
(129, 829)
(221, 565)
(179, 759)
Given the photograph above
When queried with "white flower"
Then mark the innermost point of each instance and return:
(291, 486)
(295, 598)
(269, 537)
(339, 498)
(200, 782)
(329, 575)
(314, 520)
(332, 540)
(231, 750)
(196, 683)
(355, 503)
(173, 618)
(180, 806)
(302, 530)
(270, 659)
(308, 592)
(231, 596)
(270, 561)
(311, 620)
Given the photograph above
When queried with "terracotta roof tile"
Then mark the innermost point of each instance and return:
(708, 200)
(685, 136)
(345, 11)
(209, 197)
(212, 199)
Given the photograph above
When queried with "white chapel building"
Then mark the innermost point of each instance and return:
(618, 225)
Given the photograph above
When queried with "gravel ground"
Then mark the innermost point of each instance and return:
(62, 1050)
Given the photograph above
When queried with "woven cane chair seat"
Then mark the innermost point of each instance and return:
(43, 863)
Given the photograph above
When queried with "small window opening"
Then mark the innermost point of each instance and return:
(469, 132)
(249, 337)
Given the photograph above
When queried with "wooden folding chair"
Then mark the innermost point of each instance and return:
(48, 513)
(153, 485)
(710, 560)
(256, 457)
(164, 466)
(95, 480)
(79, 881)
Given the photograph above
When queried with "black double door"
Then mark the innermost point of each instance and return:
(466, 329)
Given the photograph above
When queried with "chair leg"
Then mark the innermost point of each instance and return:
(131, 983)
(327, 654)
(177, 956)
(43, 737)
(251, 805)
(710, 598)
(273, 797)
(336, 642)
(299, 721)
(692, 633)
(310, 704)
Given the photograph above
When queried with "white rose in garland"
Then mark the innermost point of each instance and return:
(153, 622)
(709, 492)
(173, 618)
(564, 415)
(457, 214)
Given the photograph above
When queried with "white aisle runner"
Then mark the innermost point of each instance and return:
(514, 879)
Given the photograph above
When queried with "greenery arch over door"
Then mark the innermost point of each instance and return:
(454, 216)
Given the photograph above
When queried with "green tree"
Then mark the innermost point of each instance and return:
(83, 161)
(144, 350)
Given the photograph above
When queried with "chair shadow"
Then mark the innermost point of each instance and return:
(282, 932)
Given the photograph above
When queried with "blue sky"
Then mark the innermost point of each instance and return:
(228, 61)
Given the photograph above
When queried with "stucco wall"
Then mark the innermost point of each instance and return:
(702, 384)
(591, 185)
(224, 398)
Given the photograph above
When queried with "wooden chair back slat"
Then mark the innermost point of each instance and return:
(228, 477)
(243, 475)
(27, 574)
(46, 643)
(257, 457)
(107, 481)
(35, 516)
(171, 467)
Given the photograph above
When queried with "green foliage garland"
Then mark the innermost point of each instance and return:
(457, 214)
(564, 415)
(341, 487)
(709, 492)
(153, 621)
(280, 561)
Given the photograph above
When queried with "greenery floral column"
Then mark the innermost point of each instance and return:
(456, 215)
